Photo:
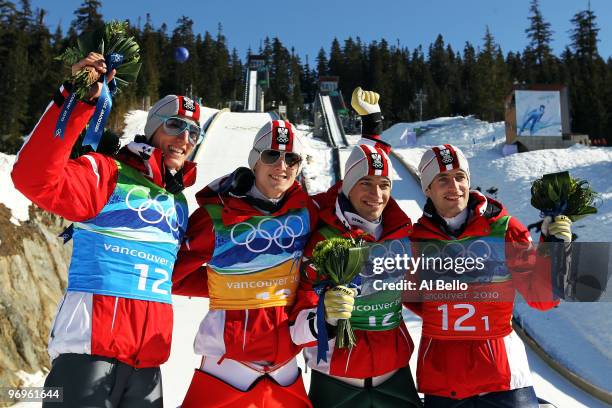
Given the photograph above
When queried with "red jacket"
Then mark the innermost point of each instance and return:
(135, 332)
(364, 359)
(259, 335)
(458, 364)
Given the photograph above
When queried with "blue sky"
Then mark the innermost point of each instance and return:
(308, 25)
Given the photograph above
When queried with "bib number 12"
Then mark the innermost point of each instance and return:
(143, 279)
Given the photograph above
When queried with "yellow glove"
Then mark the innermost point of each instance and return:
(560, 228)
(339, 303)
(365, 102)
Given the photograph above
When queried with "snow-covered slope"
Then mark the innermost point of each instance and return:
(482, 144)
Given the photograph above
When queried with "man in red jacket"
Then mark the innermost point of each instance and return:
(113, 327)
(469, 355)
(243, 251)
(374, 372)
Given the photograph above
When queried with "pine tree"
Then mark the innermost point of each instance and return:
(87, 17)
(352, 76)
(584, 34)
(280, 80)
(422, 82)
(588, 72)
(469, 79)
(8, 13)
(439, 66)
(25, 15)
(308, 81)
(14, 77)
(184, 73)
(398, 108)
(210, 86)
(322, 67)
(222, 63)
(454, 81)
(295, 100)
(336, 59)
(46, 73)
(236, 76)
(149, 77)
(539, 34)
(493, 81)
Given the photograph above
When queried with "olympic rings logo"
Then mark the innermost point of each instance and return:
(280, 230)
(175, 216)
(388, 249)
(456, 250)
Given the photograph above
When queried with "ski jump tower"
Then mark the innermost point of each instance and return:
(328, 106)
(257, 79)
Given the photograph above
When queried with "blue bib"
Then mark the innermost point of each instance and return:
(129, 248)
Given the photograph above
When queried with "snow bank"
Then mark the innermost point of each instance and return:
(10, 197)
(318, 170)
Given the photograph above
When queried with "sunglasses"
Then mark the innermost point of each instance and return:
(174, 126)
(270, 157)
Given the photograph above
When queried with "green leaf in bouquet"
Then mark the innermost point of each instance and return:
(128, 47)
(355, 261)
(121, 83)
(553, 194)
(129, 69)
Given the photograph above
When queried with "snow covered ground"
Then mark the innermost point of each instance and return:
(578, 335)
(13, 199)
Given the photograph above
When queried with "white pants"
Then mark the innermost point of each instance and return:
(241, 375)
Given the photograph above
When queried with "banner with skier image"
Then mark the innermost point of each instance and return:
(538, 113)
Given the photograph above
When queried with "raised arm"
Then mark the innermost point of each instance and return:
(74, 189)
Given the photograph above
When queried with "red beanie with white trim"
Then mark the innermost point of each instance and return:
(368, 158)
(439, 159)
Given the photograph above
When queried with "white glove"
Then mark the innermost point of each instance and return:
(560, 228)
(339, 302)
(365, 102)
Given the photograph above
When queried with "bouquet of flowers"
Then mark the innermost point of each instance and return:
(121, 52)
(559, 194)
(339, 261)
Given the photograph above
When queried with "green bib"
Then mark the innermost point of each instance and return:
(376, 310)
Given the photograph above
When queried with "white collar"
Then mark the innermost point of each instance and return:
(374, 228)
(454, 223)
(350, 219)
(256, 193)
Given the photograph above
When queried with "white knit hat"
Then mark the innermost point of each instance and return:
(171, 105)
(439, 159)
(276, 135)
(368, 158)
